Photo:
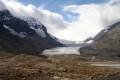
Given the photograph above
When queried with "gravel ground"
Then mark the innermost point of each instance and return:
(69, 67)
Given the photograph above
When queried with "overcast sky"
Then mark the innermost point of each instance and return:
(73, 20)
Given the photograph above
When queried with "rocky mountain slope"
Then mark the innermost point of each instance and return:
(23, 36)
(106, 44)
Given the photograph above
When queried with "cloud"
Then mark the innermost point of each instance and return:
(2, 6)
(90, 18)
(113, 2)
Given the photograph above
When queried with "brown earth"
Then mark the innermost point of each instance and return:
(29, 67)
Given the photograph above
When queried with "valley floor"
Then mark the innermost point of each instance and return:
(63, 67)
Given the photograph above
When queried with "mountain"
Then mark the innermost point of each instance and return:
(70, 43)
(106, 44)
(23, 36)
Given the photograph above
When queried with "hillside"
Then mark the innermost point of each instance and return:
(23, 36)
(106, 44)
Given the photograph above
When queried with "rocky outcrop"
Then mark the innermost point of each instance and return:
(106, 44)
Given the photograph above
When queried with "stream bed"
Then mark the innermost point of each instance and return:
(107, 65)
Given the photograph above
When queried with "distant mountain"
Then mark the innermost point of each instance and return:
(70, 43)
(106, 44)
(23, 36)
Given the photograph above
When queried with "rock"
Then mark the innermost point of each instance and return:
(106, 44)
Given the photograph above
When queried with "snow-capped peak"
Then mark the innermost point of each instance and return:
(37, 26)
(33, 23)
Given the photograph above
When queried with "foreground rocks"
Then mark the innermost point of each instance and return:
(29, 67)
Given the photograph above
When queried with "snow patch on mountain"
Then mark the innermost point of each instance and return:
(40, 32)
(12, 31)
(33, 22)
(37, 26)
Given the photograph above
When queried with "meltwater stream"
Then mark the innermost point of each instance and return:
(107, 65)
(62, 51)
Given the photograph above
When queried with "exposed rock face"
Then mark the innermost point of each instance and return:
(106, 43)
(23, 36)
(110, 40)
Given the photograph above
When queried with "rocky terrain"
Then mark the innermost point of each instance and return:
(106, 44)
(23, 40)
(69, 67)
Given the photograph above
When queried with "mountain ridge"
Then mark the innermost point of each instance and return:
(22, 36)
(105, 44)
